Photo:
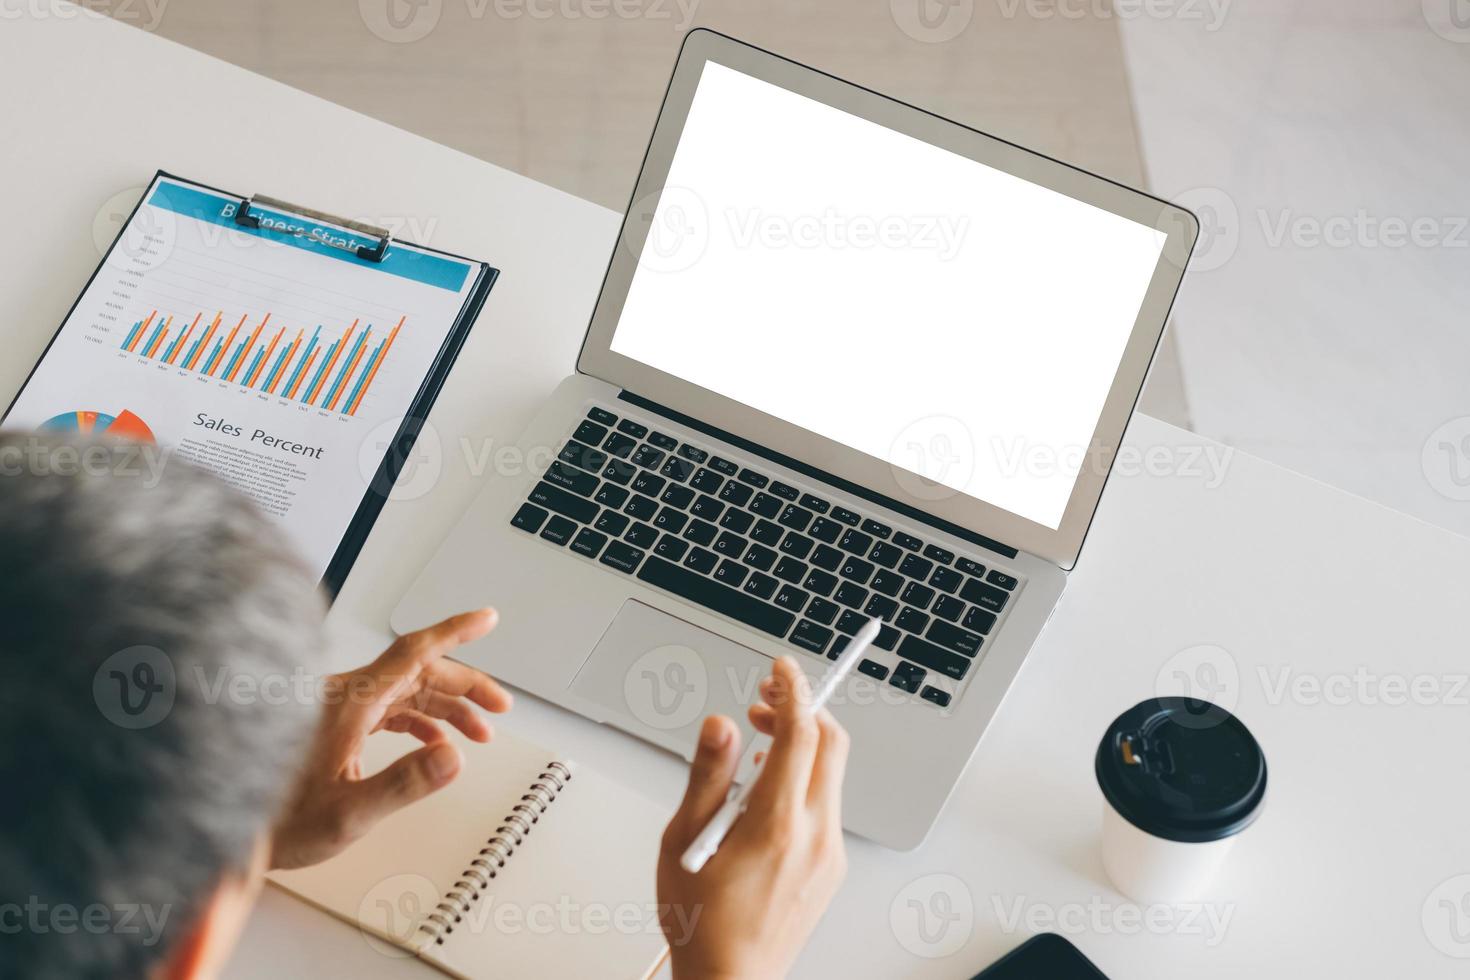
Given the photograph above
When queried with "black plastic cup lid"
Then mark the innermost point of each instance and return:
(1182, 769)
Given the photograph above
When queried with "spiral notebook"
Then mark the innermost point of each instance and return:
(526, 865)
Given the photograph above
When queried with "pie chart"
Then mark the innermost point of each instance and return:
(127, 425)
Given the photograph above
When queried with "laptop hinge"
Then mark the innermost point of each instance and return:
(857, 490)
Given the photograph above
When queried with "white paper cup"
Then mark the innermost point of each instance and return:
(1180, 779)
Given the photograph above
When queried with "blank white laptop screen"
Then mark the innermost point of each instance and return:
(900, 299)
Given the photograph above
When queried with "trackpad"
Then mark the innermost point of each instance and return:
(656, 676)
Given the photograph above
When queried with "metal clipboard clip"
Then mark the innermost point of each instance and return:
(370, 253)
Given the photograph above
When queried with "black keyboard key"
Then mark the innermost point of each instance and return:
(948, 607)
(820, 582)
(907, 541)
(677, 496)
(641, 508)
(984, 596)
(601, 416)
(568, 505)
(938, 554)
(735, 494)
(851, 595)
(611, 522)
(918, 595)
(712, 595)
(666, 443)
(857, 570)
(790, 570)
(887, 583)
(641, 536)
(958, 640)
(706, 481)
(810, 636)
(765, 505)
(723, 465)
(997, 577)
(850, 622)
(730, 545)
(796, 545)
(671, 547)
(908, 677)
(838, 647)
(701, 560)
(635, 429)
(620, 446)
(970, 567)
(619, 472)
(794, 517)
(529, 518)
(790, 597)
(558, 530)
(877, 529)
(856, 542)
(846, 516)
(873, 669)
(621, 556)
(693, 454)
(648, 457)
(738, 521)
(946, 579)
(573, 479)
(815, 503)
(588, 542)
(824, 530)
(887, 638)
(935, 696)
(707, 507)
(979, 620)
(881, 607)
(731, 573)
(822, 611)
(762, 586)
(767, 532)
(649, 484)
(828, 558)
(915, 567)
(670, 520)
(938, 659)
(885, 554)
(677, 469)
(582, 457)
(700, 532)
(590, 432)
(611, 496)
(785, 491)
(753, 478)
(759, 556)
(912, 620)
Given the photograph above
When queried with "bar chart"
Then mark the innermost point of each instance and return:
(271, 359)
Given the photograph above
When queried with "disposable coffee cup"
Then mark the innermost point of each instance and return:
(1181, 779)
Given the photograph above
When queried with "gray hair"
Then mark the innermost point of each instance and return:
(133, 778)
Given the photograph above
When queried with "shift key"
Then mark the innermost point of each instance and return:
(926, 654)
(566, 504)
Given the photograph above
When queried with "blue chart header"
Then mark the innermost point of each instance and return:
(432, 270)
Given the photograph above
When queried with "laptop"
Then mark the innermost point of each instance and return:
(849, 360)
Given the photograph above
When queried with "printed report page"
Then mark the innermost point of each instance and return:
(272, 356)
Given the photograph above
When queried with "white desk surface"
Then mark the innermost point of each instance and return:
(1366, 811)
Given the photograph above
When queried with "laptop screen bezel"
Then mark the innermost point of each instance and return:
(1060, 545)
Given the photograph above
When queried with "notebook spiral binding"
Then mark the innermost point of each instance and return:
(514, 828)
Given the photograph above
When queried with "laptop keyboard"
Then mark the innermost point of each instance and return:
(766, 554)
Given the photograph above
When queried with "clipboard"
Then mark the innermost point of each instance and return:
(262, 404)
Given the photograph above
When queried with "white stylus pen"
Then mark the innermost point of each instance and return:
(704, 846)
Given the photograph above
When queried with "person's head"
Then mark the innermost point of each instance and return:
(150, 621)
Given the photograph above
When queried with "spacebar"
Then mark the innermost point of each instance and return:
(712, 595)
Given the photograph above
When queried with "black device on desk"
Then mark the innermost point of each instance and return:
(1044, 957)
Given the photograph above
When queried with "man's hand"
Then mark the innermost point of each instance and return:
(750, 910)
(404, 690)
